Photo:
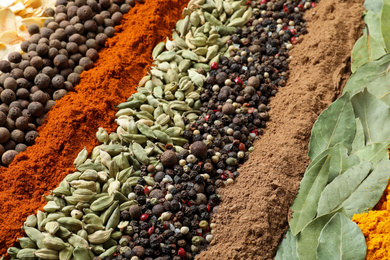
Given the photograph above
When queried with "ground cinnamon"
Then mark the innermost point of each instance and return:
(73, 122)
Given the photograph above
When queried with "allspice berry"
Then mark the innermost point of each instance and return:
(10, 83)
(135, 211)
(61, 61)
(17, 136)
(42, 81)
(254, 82)
(30, 137)
(8, 157)
(15, 57)
(5, 66)
(168, 158)
(228, 109)
(85, 13)
(4, 135)
(35, 108)
(199, 149)
(21, 122)
(7, 96)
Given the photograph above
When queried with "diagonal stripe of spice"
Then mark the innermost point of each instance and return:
(74, 120)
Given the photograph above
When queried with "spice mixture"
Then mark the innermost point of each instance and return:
(74, 120)
(253, 214)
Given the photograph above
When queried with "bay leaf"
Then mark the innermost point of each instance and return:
(373, 5)
(385, 24)
(374, 115)
(358, 142)
(307, 240)
(374, 153)
(339, 160)
(370, 73)
(366, 48)
(341, 238)
(342, 187)
(336, 124)
(287, 250)
(369, 192)
(310, 188)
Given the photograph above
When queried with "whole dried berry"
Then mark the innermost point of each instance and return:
(60, 61)
(30, 137)
(14, 57)
(8, 157)
(85, 13)
(35, 108)
(4, 135)
(199, 149)
(42, 81)
(5, 66)
(7, 96)
(168, 158)
(135, 211)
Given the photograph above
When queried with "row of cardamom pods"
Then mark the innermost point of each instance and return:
(81, 219)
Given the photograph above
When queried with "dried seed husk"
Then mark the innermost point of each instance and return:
(135, 137)
(52, 227)
(134, 104)
(66, 252)
(162, 137)
(125, 112)
(144, 129)
(247, 14)
(91, 228)
(81, 253)
(198, 41)
(83, 184)
(112, 222)
(110, 251)
(140, 153)
(100, 236)
(171, 87)
(70, 223)
(78, 241)
(89, 175)
(97, 249)
(180, 105)
(54, 243)
(34, 234)
(174, 131)
(114, 186)
(61, 191)
(81, 157)
(186, 54)
(123, 176)
(112, 149)
(211, 19)
(149, 180)
(72, 176)
(31, 221)
(26, 254)
(166, 56)
(107, 213)
(185, 64)
(134, 162)
(119, 196)
(158, 49)
(51, 206)
(90, 166)
(126, 189)
(102, 203)
(26, 242)
(194, 19)
(184, 26)
(133, 180)
(63, 233)
(126, 205)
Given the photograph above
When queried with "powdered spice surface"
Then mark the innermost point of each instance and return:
(253, 215)
(73, 122)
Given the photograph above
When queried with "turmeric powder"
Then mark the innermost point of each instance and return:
(375, 226)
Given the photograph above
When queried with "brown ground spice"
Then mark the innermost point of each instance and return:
(73, 122)
(252, 218)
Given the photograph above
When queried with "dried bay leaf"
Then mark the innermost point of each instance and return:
(287, 250)
(366, 48)
(374, 115)
(310, 188)
(341, 238)
(374, 153)
(335, 125)
(370, 73)
(342, 187)
(339, 160)
(307, 240)
(358, 142)
(385, 23)
(368, 193)
(373, 5)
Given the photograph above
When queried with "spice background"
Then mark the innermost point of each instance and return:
(252, 218)
(74, 120)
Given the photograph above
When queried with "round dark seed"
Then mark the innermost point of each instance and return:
(17, 136)
(61, 61)
(125, 8)
(117, 17)
(46, 32)
(4, 135)
(42, 81)
(58, 94)
(14, 57)
(30, 137)
(101, 39)
(36, 62)
(86, 63)
(90, 25)
(85, 13)
(72, 47)
(39, 96)
(104, 3)
(92, 54)
(72, 11)
(109, 31)
(49, 12)
(49, 71)
(74, 78)
(49, 104)
(42, 49)
(108, 22)
(7, 96)
(24, 45)
(21, 122)
(3, 118)
(53, 26)
(20, 147)
(10, 83)
(35, 108)
(5, 66)
(8, 157)
(22, 93)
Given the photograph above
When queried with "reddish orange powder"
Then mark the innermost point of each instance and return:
(73, 122)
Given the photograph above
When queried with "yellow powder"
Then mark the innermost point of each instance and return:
(375, 226)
